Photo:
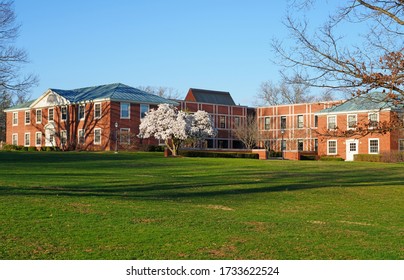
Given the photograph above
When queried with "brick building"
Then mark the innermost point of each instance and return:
(91, 118)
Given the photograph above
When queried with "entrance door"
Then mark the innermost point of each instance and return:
(50, 135)
(351, 149)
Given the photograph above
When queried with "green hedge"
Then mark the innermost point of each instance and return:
(331, 158)
(366, 157)
(218, 154)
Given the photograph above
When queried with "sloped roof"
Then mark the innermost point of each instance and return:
(118, 92)
(24, 105)
(211, 96)
(366, 102)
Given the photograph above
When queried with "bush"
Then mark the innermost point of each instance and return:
(32, 149)
(153, 148)
(218, 154)
(275, 154)
(367, 157)
(308, 157)
(331, 158)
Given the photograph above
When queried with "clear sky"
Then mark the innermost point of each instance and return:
(210, 44)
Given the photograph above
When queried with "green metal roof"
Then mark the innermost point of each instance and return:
(366, 102)
(117, 92)
(24, 105)
(212, 96)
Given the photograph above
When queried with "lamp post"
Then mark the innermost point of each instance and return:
(116, 137)
(282, 147)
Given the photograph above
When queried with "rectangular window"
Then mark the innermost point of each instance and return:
(39, 116)
(300, 121)
(236, 122)
(97, 136)
(300, 145)
(401, 145)
(267, 121)
(222, 122)
(373, 120)
(15, 139)
(63, 113)
(316, 145)
(15, 118)
(97, 110)
(283, 145)
(144, 108)
(352, 120)
(81, 137)
(373, 146)
(315, 121)
(81, 112)
(332, 122)
(63, 137)
(38, 139)
(27, 139)
(124, 136)
(125, 110)
(27, 117)
(50, 115)
(331, 147)
(283, 122)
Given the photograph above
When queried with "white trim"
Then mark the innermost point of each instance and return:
(29, 117)
(399, 140)
(84, 111)
(97, 143)
(328, 147)
(377, 115)
(16, 123)
(347, 121)
(127, 130)
(120, 110)
(84, 136)
(61, 113)
(100, 104)
(25, 139)
(378, 146)
(16, 139)
(53, 114)
(336, 122)
(350, 154)
(36, 115)
(36, 138)
(140, 109)
(353, 112)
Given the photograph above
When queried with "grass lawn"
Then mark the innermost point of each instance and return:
(145, 206)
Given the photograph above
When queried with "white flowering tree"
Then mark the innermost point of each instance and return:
(173, 126)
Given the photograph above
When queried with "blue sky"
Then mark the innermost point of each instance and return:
(211, 44)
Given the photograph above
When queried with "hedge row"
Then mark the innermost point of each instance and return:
(383, 157)
(331, 158)
(218, 154)
(9, 147)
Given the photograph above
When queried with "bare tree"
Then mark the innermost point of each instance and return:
(328, 62)
(283, 93)
(166, 92)
(247, 132)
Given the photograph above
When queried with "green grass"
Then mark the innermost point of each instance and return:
(145, 206)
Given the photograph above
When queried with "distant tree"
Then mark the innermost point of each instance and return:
(247, 132)
(173, 126)
(166, 92)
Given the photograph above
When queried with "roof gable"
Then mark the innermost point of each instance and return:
(210, 96)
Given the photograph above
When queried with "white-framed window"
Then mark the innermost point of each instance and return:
(97, 110)
(63, 113)
(352, 121)
(373, 120)
(283, 122)
(27, 138)
(97, 136)
(401, 145)
(331, 122)
(332, 147)
(15, 139)
(300, 121)
(81, 112)
(124, 136)
(300, 145)
(38, 138)
(222, 121)
(63, 137)
(315, 121)
(27, 117)
(15, 118)
(144, 108)
(81, 137)
(125, 110)
(38, 116)
(373, 146)
(267, 123)
(51, 115)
